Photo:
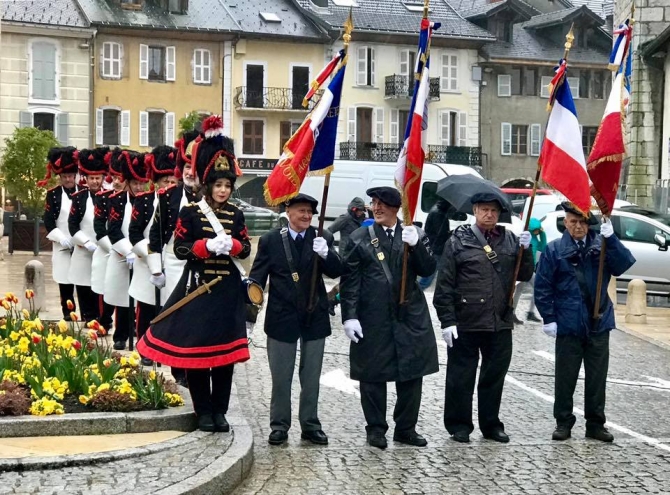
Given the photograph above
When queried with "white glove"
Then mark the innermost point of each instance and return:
(215, 244)
(410, 235)
(353, 330)
(250, 328)
(226, 246)
(320, 247)
(66, 243)
(606, 228)
(158, 280)
(130, 259)
(550, 329)
(91, 246)
(524, 239)
(449, 334)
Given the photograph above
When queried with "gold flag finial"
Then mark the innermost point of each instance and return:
(569, 38)
(425, 8)
(348, 28)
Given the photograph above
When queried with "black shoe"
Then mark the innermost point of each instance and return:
(120, 345)
(461, 437)
(497, 435)
(410, 438)
(206, 423)
(517, 321)
(220, 422)
(561, 433)
(278, 437)
(377, 439)
(531, 317)
(146, 362)
(331, 307)
(600, 434)
(315, 436)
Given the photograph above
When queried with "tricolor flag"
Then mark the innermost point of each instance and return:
(624, 34)
(414, 150)
(311, 149)
(562, 156)
(323, 75)
(609, 150)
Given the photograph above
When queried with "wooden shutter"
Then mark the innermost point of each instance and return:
(351, 124)
(62, 128)
(373, 80)
(393, 127)
(378, 136)
(206, 67)
(404, 63)
(169, 128)
(99, 119)
(43, 71)
(125, 128)
(171, 63)
(504, 85)
(144, 128)
(144, 61)
(25, 119)
(505, 139)
(535, 139)
(445, 131)
(362, 66)
(284, 135)
(462, 129)
(574, 87)
(544, 86)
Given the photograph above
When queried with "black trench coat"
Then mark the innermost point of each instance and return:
(390, 350)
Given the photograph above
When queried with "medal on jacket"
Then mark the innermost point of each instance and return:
(295, 276)
(380, 256)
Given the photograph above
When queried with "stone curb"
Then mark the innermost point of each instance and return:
(179, 418)
(642, 336)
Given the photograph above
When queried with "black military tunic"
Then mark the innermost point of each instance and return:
(167, 213)
(210, 330)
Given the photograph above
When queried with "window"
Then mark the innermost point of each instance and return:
(519, 139)
(584, 83)
(529, 78)
(449, 79)
(252, 137)
(598, 84)
(516, 80)
(453, 128)
(286, 130)
(156, 129)
(110, 61)
(202, 70)
(44, 121)
(47, 120)
(365, 69)
(43, 71)
(544, 90)
(111, 126)
(574, 87)
(503, 30)
(588, 137)
(157, 63)
(504, 85)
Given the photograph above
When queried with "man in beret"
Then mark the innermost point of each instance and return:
(286, 257)
(389, 342)
(472, 294)
(565, 292)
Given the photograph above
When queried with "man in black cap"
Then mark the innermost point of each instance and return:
(390, 342)
(472, 297)
(286, 257)
(565, 291)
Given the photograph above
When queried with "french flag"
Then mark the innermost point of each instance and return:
(562, 157)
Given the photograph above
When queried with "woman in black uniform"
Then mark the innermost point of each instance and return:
(207, 335)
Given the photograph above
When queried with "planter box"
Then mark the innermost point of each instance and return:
(22, 236)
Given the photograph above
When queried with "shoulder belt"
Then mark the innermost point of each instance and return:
(289, 255)
(380, 255)
(218, 228)
(488, 250)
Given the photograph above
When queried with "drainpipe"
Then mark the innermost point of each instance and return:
(91, 89)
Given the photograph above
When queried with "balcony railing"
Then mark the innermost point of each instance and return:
(388, 152)
(402, 87)
(272, 98)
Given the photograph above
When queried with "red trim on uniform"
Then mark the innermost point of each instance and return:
(193, 350)
(237, 248)
(200, 249)
(137, 319)
(239, 356)
(101, 306)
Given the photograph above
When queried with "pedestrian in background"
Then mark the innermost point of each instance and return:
(472, 302)
(538, 243)
(565, 292)
(390, 342)
(438, 231)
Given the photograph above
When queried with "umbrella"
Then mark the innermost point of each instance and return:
(458, 189)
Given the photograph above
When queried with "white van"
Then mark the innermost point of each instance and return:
(352, 178)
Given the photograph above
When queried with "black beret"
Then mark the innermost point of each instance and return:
(571, 208)
(303, 198)
(386, 194)
(488, 197)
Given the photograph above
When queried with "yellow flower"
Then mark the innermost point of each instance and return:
(24, 344)
(14, 336)
(62, 326)
(6, 305)
(135, 355)
(38, 324)
(104, 386)
(84, 399)
(25, 313)
(174, 400)
(123, 361)
(152, 375)
(45, 407)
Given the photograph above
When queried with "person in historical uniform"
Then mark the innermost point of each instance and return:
(286, 257)
(92, 168)
(101, 255)
(390, 342)
(202, 327)
(61, 162)
(161, 172)
(121, 257)
(472, 301)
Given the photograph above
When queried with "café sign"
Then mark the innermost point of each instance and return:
(256, 164)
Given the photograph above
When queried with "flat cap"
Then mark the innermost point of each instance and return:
(303, 198)
(488, 197)
(571, 208)
(386, 194)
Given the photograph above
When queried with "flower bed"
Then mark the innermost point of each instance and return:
(43, 367)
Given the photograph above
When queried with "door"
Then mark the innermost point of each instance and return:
(255, 86)
(364, 133)
(403, 117)
(300, 76)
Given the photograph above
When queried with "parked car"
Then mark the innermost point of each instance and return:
(645, 232)
(259, 220)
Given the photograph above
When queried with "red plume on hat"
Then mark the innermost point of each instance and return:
(212, 126)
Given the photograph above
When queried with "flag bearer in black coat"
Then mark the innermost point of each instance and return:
(92, 168)
(207, 334)
(389, 343)
(101, 210)
(286, 257)
(61, 162)
(121, 256)
(161, 169)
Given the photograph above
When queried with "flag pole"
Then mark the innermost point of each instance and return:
(603, 245)
(569, 38)
(348, 28)
(407, 220)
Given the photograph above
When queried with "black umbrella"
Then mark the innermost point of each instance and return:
(459, 189)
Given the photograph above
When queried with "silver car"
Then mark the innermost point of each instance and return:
(645, 232)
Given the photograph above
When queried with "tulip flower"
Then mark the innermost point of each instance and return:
(30, 293)
(74, 317)
(25, 313)
(76, 344)
(70, 305)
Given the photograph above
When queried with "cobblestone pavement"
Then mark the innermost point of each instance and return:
(638, 461)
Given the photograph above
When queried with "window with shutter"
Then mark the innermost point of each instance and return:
(144, 128)
(144, 61)
(394, 126)
(351, 124)
(110, 63)
(379, 126)
(43, 75)
(535, 139)
(574, 87)
(445, 130)
(519, 139)
(125, 128)
(545, 82)
(44, 121)
(156, 63)
(252, 137)
(449, 79)
(110, 127)
(505, 139)
(156, 129)
(171, 63)
(365, 66)
(169, 128)
(462, 129)
(201, 66)
(504, 85)
(286, 130)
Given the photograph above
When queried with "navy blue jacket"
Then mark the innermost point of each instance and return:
(557, 294)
